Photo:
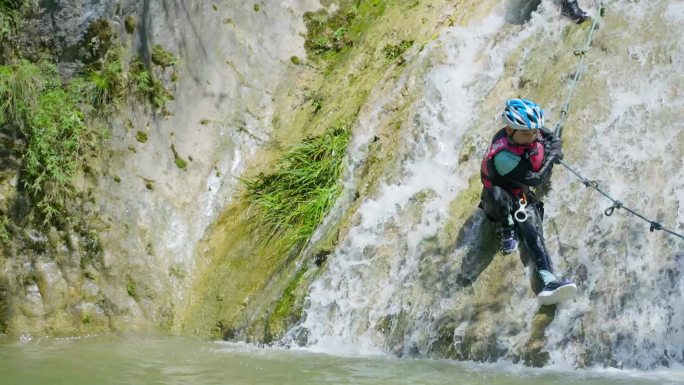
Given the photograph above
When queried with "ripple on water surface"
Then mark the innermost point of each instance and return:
(167, 360)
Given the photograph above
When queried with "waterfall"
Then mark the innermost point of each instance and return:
(417, 275)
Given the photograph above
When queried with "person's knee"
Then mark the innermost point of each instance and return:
(536, 214)
(501, 197)
(496, 202)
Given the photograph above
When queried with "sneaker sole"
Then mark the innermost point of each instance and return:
(561, 294)
(509, 251)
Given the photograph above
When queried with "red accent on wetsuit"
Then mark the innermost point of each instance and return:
(488, 173)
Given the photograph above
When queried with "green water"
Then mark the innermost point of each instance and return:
(167, 360)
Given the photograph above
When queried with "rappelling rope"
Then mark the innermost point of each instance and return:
(582, 52)
(618, 204)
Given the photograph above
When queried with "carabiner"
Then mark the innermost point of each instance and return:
(521, 214)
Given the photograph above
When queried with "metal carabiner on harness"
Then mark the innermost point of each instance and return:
(521, 214)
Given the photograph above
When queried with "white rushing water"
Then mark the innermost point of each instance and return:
(628, 136)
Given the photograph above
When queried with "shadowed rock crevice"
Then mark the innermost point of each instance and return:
(481, 254)
(520, 11)
(4, 306)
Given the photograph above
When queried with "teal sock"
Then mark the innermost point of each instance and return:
(547, 277)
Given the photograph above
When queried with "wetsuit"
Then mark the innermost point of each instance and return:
(508, 171)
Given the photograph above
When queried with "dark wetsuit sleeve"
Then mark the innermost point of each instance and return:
(523, 175)
(546, 134)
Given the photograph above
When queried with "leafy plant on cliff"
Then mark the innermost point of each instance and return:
(107, 80)
(56, 141)
(56, 118)
(48, 117)
(146, 86)
(291, 201)
(327, 33)
(10, 19)
(394, 51)
(100, 38)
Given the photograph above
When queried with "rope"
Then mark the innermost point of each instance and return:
(618, 204)
(582, 53)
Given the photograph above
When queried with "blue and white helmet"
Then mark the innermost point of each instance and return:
(523, 114)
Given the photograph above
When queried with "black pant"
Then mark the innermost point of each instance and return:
(498, 204)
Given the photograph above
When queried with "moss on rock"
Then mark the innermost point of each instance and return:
(181, 163)
(4, 306)
(393, 51)
(287, 310)
(327, 33)
(228, 284)
(533, 353)
(162, 57)
(99, 38)
(131, 23)
(146, 86)
(141, 136)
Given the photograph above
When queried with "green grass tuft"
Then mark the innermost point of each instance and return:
(394, 51)
(289, 203)
(106, 82)
(20, 86)
(11, 18)
(331, 34)
(328, 33)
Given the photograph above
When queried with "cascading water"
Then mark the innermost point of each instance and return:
(404, 281)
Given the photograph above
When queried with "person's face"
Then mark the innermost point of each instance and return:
(522, 137)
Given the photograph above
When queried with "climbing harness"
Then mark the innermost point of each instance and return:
(521, 214)
(582, 53)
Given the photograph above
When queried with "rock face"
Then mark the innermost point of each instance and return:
(148, 202)
(404, 263)
(65, 23)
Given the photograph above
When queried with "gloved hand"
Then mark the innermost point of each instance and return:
(553, 149)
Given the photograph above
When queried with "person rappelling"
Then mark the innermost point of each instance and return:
(522, 155)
